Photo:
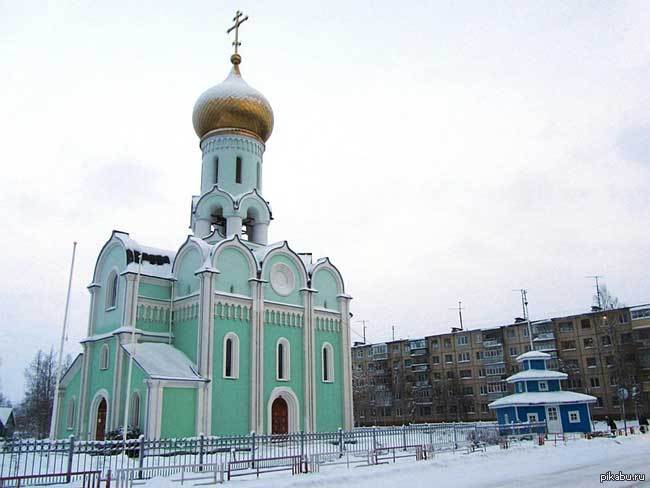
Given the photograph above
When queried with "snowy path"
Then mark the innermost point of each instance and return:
(578, 464)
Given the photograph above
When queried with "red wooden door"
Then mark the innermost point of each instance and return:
(279, 417)
(100, 427)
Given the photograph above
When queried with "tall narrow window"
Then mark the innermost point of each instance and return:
(328, 362)
(111, 290)
(259, 176)
(135, 410)
(216, 170)
(238, 171)
(231, 356)
(103, 357)
(283, 359)
(71, 411)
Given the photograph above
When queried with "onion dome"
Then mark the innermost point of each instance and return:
(233, 104)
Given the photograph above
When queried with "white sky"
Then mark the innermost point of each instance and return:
(435, 151)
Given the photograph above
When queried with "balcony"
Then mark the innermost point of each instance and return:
(496, 395)
(380, 356)
(546, 336)
(423, 384)
(419, 368)
(487, 360)
(492, 343)
(419, 352)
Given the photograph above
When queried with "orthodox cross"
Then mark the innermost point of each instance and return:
(238, 21)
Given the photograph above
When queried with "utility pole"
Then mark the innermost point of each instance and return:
(524, 307)
(595, 277)
(393, 327)
(460, 313)
(364, 328)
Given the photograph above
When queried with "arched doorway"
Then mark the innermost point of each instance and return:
(100, 425)
(279, 416)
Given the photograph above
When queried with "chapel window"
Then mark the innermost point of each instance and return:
(282, 359)
(111, 290)
(328, 363)
(238, 170)
(216, 170)
(231, 356)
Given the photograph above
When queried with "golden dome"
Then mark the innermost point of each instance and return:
(233, 104)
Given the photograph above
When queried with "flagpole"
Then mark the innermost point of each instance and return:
(133, 347)
(59, 366)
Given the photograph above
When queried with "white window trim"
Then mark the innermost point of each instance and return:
(234, 369)
(532, 416)
(112, 288)
(577, 414)
(543, 386)
(330, 366)
(71, 413)
(286, 349)
(104, 357)
(135, 418)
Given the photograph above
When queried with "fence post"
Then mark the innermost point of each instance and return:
(374, 438)
(140, 455)
(340, 442)
(70, 455)
(302, 450)
(253, 442)
(404, 436)
(201, 439)
(455, 439)
(431, 437)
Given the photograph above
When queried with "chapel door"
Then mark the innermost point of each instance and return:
(279, 417)
(100, 426)
(553, 419)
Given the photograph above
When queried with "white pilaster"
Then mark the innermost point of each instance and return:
(309, 372)
(257, 356)
(205, 350)
(346, 351)
(83, 394)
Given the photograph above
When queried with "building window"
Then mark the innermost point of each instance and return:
(461, 340)
(449, 358)
(231, 356)
(479, 355)
(69, 424)
(282, 359)
(585, 324)
(566, 326)
(606, 340)
(595, 382)
(483, 390)
(591, 362)
(543, 386)
(135, 410)
(588, 342)
(238, 170)
(463, 357)
(478, 338)
(511, 333)
(568, 344)
(465, 373)
(435, 359)
(574, 416)
(450, 375)
(103, 357)
(532, 417)
(447, 343)
(111, 290)
(599, 402)
(328, 363)
(481, 373)
(513, 351)
(216, 170)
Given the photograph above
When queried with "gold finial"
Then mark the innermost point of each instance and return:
(238, 20)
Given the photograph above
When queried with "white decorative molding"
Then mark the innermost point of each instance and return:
(283, 281)
(284, 317)
(239, 143)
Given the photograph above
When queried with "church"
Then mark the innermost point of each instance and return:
(228, 334)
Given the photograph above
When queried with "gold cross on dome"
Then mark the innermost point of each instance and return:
(238, 21)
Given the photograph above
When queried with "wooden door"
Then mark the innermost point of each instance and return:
(100, 426)
(279, 416)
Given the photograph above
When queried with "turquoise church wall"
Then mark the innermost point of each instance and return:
(185, 331)
(329, 396)
(295, 337)
(295, 297)
(231, 397)
(107, 320)
(158, 292)
(234, 272)
(71, 391)
(179, 412)
(138, 378)
(187, 282)
(325, 283)
(227, 168)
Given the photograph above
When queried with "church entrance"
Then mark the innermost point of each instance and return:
(279, 416)
(100, 426)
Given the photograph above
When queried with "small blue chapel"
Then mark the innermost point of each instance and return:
(538, 397)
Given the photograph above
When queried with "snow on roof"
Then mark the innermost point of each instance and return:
(162, 361)
(542, 398)
(5, 412)
(157, 262)
(537, 374)
(533, 355)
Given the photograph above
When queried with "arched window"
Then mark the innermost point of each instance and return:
(216, 170)
(231, 356)
(328, 362)
(103, 357)
(69, 424)
(111, 290)
(238, 170)
(283, 360)
(134, 419)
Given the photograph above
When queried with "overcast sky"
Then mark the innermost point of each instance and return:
(435, 151)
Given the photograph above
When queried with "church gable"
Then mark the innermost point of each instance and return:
(285, 276)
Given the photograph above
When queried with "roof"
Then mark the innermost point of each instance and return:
(536, 374)
(533, 355)
(5, 413)
(542, 398)
(155, 262)
(162, 361)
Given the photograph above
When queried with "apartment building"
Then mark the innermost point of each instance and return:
(454, 376)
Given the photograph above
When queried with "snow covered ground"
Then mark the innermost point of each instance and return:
(579, 463)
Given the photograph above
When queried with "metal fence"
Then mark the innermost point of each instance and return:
(166, 456)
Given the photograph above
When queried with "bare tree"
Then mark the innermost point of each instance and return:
(607, 301)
